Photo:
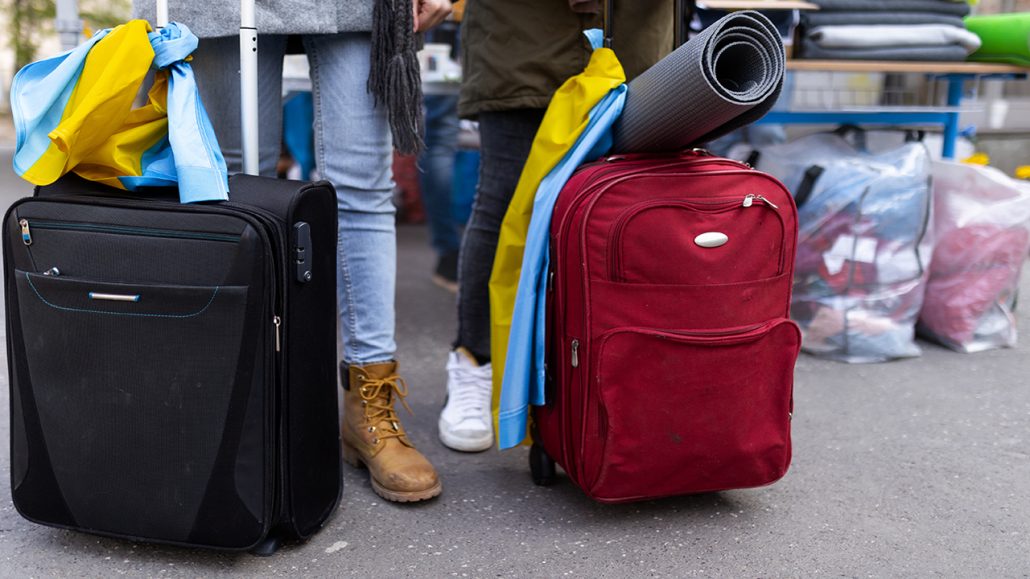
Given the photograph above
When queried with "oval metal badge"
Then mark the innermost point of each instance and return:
(711, 239)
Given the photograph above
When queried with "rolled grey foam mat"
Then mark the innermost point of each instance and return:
(726, 77)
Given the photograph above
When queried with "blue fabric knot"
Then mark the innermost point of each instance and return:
(171, 44)
(189, 156)
(196, 160)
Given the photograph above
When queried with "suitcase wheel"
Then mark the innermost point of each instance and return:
(541, 466)
(268, 547)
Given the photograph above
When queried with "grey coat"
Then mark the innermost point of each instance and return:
(213, 18)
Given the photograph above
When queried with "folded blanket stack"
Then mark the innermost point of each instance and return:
(888, 30)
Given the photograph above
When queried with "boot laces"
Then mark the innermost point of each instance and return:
(377, 393)
(471, 390)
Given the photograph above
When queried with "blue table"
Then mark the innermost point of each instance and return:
(954, 73)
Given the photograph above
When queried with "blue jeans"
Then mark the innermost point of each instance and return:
(437, 171)
(298, 130)
(353, 150)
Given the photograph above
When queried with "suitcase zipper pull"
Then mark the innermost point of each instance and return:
(749, 200)
(278, 322)
(575, 353)
(26, 235)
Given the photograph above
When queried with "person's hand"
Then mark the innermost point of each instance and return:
(429, 13)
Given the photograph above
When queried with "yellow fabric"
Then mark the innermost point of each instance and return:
(121, 154)
(566, 118)
(99, 127)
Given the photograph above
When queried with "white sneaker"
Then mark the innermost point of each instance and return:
(465, 421)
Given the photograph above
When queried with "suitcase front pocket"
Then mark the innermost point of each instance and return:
(696, 242)
(135, 387)
(28, 225)
(688, 412)
(154, 255)
(76, 296)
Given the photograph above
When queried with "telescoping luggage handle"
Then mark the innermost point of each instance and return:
(249, 120)
(248, 80)
(248, 86)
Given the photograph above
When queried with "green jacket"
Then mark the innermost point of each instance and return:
(516, 53)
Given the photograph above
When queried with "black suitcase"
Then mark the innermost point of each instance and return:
(173, 367)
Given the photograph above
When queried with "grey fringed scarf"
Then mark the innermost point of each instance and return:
(394, 77)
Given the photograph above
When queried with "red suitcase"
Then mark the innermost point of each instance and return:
(670, 352)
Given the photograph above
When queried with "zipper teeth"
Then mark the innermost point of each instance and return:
(281, 503)
(127, 230)
(743, 332)
(730, 332)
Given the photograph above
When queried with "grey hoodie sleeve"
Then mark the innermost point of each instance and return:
(222, 18)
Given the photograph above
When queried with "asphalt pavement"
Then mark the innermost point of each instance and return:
(907, 469)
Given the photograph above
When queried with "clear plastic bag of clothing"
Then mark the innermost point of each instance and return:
(982, 221)
(864, 242)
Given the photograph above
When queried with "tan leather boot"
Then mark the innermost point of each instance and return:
(373, 435)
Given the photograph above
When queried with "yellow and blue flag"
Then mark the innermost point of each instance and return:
(74, 113)
(575, 128)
